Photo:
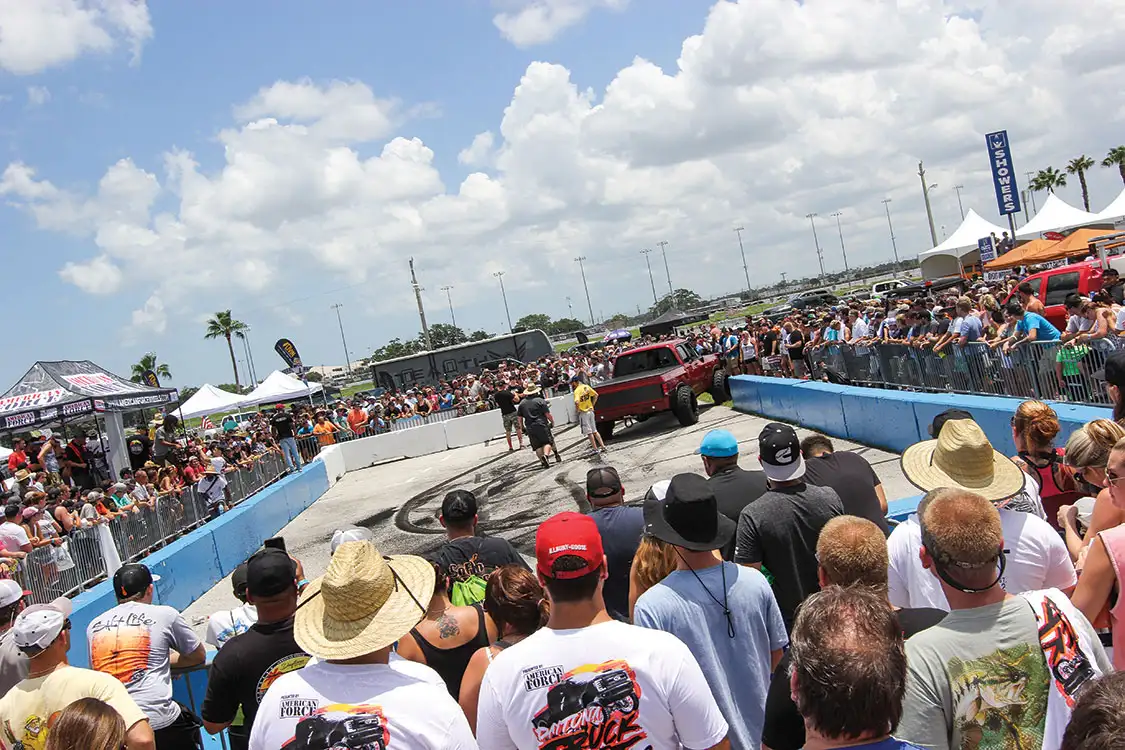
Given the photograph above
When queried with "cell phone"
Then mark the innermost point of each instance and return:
(275, 542)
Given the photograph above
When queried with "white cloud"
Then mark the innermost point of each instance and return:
(774, 110)
(40, 34)
(148, 319)
(37, 96)
(526, 23)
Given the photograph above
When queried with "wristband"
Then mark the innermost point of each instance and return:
(302, 583)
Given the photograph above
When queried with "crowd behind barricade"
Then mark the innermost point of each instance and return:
(767, 607)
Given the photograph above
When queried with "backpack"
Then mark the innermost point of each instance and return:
(468, 586)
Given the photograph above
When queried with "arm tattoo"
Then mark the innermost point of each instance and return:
(447, 626)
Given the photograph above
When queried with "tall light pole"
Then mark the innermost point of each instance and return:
(960, 208)
(347, 360)
(926, 188)
(504, 295)
(840, 229)
(570, 307)
(745, 270)
(449, 298)
(582, 269)
(816, 242)
(783, 275)
(1031, 192)
(243, 334)
(887, 205)
(645, 253)
(421, 310)
(664, 252)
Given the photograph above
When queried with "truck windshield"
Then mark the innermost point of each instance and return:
(647, 361)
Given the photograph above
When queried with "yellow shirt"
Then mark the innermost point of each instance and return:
(29, 709)
(585, 397)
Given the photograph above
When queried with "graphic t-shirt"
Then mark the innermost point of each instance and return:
(244, 669)
(131, 642)
(226, 624)
(28, 710)
(470, 556)
(584, 397)
(140, 450)
(396, 706)
(978, 679)
(283, 425)
(607, 685)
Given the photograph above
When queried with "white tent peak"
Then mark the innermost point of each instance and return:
(209, 400)
(1115, 210)
(965, 237)
(1054, 215)
(279, 387)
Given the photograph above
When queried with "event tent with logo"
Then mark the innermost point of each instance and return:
(209, 400)
(1056, 214)
(279, 387)
(945, 259)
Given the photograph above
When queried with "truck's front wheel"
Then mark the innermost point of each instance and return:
(684, 406)
(605, 429)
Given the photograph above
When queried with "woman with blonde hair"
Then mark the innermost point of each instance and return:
(87, 724)
(1087, 453)
(652, 563)
(1035, 426)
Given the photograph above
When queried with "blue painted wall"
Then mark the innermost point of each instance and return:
(193, 564)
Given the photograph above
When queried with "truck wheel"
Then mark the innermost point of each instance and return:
(720, 388)
(685, 407)
(605, 429)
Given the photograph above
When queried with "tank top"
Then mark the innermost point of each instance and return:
(1057, 486)
(451, 663)
(1114, 541)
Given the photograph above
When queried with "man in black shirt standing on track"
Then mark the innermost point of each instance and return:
(507, 398)
(537, 423)
(282, 424)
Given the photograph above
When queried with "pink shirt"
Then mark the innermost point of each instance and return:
(1114, 541)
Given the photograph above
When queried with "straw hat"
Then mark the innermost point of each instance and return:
(962, 457)
(363, 603)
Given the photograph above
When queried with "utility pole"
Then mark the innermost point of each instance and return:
(664, 252)
(645, 253)
(450, 299)
(570, 307)
(745, 270)
(926, 196)
(783, 275)
(1030, 192)
(839, 229)
(421, 310)
(816, 242)
(582, 268)
(347, 359)
(887, 205)
(961, 208)
(508, 315)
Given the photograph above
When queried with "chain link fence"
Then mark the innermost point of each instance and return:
(83, 557)
(1040, 370)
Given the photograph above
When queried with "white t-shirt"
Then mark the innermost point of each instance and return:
(607, 684)
(1120, 324)
(224, 625)
(1080, 323)
(1037, 559)
(399, 706)
(12, 536)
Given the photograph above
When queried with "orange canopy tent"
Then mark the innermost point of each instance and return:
(1018, 256)
(1076, 243)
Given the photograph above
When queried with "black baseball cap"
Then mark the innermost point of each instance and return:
(459, 506)
(132, 579)
(689, 516)
(1114, 370)
(779, 450)
(269, 572)
(603, 482)
(238, 580)
(947, 416)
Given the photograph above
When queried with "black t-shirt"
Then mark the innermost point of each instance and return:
(282, 424)
(940, 326)
(798, 351)
(1117, 291)
(769, 344)
(734, 489)
(620, 527)
(243, 669)
(534, 411)
(470, 556)
(140, 450)
(854, 481)
(506, 400)
(783, 728)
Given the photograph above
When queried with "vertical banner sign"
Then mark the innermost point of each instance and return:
(149, 378)
(987, 249)
(1003, 173)
(288, 352)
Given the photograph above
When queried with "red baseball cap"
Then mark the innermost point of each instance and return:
(568, 534)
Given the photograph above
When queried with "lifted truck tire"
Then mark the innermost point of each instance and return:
(605, 429)
(720, 388)
(684, 406)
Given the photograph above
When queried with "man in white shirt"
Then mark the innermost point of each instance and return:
(224, 625)
(587, 680)
(12, 536)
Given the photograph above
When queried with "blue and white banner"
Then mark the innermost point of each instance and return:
(987, 249)
(1003, 173)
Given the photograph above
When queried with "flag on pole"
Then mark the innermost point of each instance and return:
(206, 424)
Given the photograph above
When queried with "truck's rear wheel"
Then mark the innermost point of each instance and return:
(720, 388)
(684, 406)
(605, 429)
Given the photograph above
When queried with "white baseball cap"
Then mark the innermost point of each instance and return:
(10, 593)
(39, 625)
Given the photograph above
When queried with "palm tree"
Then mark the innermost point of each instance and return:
(1116, 157)
(1048, 179)
(1079, 166)
(224, 326)
(148, 362)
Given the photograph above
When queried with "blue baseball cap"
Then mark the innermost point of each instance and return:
(718, 444)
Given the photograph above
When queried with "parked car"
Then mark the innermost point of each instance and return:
(880, 288)
(813, 298)
(668, 376)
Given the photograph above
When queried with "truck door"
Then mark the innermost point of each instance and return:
(693, 364)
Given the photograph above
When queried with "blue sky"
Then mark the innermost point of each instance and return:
(608, 132)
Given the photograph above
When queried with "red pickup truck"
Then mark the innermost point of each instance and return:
(662, 377)
(1052, 286)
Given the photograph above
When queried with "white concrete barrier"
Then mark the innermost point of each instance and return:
(422, 441)
(473, 429)
(417, 441)
(333, 460)
(560, 411)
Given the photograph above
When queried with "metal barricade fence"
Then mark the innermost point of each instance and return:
(1039, 369)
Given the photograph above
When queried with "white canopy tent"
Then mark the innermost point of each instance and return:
(279, 387)
(964, 239)
(1056, 214)
(209, 400)
(1115, 210)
